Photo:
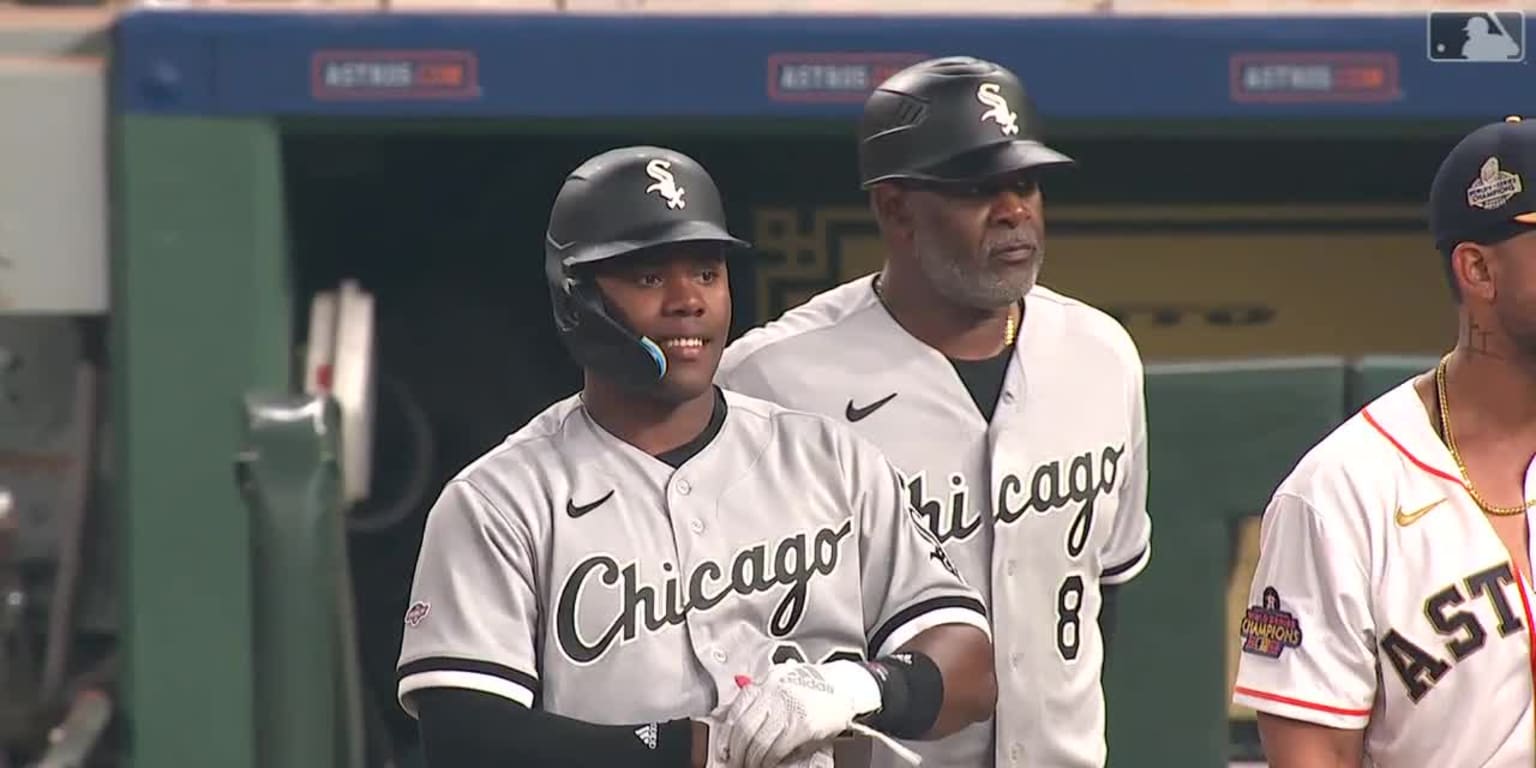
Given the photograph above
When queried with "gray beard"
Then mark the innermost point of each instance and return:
(976, 286)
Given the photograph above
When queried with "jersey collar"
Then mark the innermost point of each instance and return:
(1399, 416)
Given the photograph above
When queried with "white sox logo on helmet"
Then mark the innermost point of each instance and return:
(666, 185)
(990, 95)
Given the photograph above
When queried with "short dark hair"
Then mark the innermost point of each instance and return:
(1487, 236)
(1447, 258)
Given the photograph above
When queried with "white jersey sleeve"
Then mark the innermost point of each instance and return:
(474, 608)
(909, 582)
(1128, 547)
(1307, 648)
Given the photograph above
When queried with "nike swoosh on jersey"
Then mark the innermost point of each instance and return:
(855, 413)
(1409, 518)
(577, 510)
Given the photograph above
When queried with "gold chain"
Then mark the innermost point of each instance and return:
(1010, 332)
(1450, 442)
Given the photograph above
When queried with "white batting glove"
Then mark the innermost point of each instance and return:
(719, 754)
(719, 750)
(797, 706)
(719, 747)
(816, 758)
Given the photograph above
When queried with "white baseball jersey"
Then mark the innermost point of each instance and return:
(1037, 507)
(1384, 600)
(569, 571)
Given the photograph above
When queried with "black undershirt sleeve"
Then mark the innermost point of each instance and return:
(461, 728)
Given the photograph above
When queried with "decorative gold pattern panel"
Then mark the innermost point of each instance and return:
(1189, 282)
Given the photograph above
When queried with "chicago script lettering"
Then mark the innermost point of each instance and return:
(791, 562)
(1051, 486)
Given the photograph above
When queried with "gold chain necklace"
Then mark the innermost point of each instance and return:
(1010, 331)
(1450, 442)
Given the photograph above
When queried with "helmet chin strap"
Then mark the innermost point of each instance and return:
(599, 341)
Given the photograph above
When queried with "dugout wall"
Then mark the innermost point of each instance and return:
(259, 157)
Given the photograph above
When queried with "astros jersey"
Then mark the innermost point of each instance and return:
(569, 571)
(1384, 600)
(1037, 508)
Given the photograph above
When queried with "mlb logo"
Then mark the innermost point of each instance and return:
(1477, 36)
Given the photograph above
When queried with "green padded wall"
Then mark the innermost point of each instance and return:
(200, 315)
(1220, 436)
(1372, 375)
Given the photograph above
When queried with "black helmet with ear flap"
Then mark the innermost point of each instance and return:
(616, 204)
(952, 119)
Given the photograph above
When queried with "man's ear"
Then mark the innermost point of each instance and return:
(1473, 266)
(892, 207)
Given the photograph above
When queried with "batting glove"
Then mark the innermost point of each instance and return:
(814, 758)
(720, 751)
(797, 706)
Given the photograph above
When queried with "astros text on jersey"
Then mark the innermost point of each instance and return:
(1383, 600)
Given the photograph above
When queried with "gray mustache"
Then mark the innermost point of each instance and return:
(1022, 241)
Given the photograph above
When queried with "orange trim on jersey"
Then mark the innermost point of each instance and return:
(1299, 703)
(1525, 605)
(1366, 414)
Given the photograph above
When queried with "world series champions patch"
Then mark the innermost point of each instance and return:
(1267, 630)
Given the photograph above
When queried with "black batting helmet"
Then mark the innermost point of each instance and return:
(950, 119)
(619, 202)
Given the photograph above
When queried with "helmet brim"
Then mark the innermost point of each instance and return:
(987, 162)
(671, 234)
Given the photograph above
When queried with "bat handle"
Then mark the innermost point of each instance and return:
(911, 758)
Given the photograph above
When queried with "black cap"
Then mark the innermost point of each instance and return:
(1483, 191)
(955, 118)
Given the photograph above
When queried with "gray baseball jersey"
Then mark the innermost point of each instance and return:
(1037, 508)
(569, 571)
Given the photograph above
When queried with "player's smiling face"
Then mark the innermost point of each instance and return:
(677, 296)
(980, 244)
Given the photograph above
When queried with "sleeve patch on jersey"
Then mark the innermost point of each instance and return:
(1267, 630)
(417, 612)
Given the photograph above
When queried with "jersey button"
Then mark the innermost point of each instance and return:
(697, 526)
(1010, 568)
(719, 655)
(1013, 753)
(683, 487)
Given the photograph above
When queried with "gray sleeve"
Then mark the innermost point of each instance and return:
(909, 584)
(474, 606)
(1129, 545)
(737, 373)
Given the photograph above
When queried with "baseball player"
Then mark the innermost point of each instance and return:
(656, 572)
(1390, 619)
(1014, 413)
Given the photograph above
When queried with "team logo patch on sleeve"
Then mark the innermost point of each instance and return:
(416, 613)
(1267, 630)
